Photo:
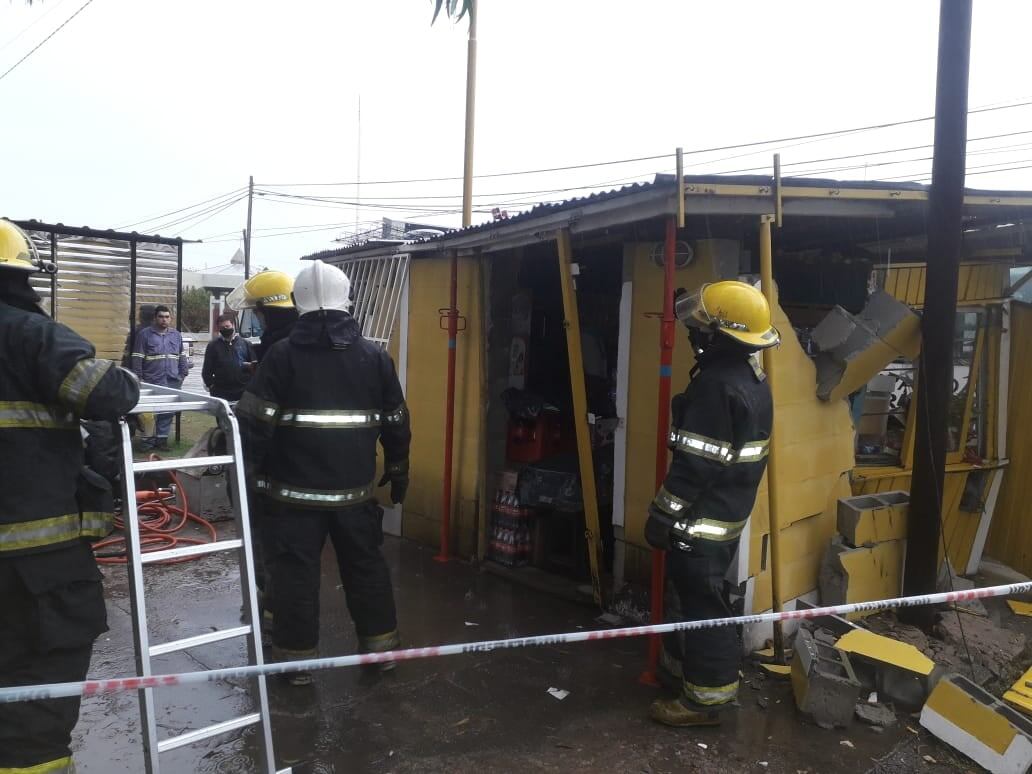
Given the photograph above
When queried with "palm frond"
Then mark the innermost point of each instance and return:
(453, 9)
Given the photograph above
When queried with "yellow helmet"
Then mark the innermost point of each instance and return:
(266, 288)
(735, 309)
(17, 252)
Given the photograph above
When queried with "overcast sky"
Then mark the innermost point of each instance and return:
(139, 108)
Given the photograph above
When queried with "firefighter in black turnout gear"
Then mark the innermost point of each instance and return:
(311, 420)
(720, 436)
(50, 507)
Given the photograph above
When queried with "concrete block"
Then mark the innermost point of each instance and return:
(974, 723)
(868, 519)
(855, 348)
(823, 683)
(838, 625)
(997, 573)
(898, 671)
(861, 574)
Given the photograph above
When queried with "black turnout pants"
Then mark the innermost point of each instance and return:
(709, 658)
(293, 541)
(52, 611)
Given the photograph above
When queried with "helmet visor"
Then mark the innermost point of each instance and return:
(237, 299)
(690, 310)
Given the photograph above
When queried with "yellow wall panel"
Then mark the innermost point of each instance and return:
(427, 375)
(1010, 537)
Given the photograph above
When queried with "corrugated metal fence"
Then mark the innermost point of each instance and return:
(103, 278)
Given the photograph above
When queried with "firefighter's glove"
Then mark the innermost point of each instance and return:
(658, 527)
(397, 474)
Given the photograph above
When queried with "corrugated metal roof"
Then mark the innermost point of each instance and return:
(659, 183)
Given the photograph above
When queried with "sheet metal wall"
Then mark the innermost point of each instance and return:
(93, 290)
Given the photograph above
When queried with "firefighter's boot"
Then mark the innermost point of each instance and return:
(673, 712)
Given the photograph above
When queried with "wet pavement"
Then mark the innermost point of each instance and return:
(473, 713)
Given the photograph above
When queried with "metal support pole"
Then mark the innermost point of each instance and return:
(132, 291)
(666, 363)
(247, 232)
(945, 208)
(471, 93)
(571, 322)
(778, 211)
(773, 504)
(179, 318)
(680, 187)
(449, 412)
(53, 277)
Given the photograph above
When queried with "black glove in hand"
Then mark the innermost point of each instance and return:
(657, 529)
(397, 474)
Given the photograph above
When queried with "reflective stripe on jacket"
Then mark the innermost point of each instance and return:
(312, 416)
(720, 436)
(49, 378)
(158, 358)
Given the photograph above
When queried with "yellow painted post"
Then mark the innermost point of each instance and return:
(770, 366)
(571, 322)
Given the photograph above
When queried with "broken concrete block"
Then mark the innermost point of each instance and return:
(823, 683)
(971, 721)
(854, 348)
(991, 646)
(875, 715)
(898, 671)
(869, 519)
(834, 623)
(861, 574)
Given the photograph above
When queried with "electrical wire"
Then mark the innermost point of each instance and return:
(164, 215)
(193, 220)
(48, 37)
(696, 151)
(53, 7)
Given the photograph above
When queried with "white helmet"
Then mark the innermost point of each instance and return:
(321, 286)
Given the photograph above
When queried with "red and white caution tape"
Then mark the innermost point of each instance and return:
(118, 685)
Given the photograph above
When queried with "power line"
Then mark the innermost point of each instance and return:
(48, 37)
(164, 215)
(208, 213)
(53, 7)
(697, 151)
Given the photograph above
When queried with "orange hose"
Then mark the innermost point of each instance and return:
(159, 521)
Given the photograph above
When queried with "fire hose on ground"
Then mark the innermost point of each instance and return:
(161, 521)
(122, 684)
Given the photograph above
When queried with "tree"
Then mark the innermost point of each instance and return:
(453, 9)
(196, 303)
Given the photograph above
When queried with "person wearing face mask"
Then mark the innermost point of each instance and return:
(720, 436)
(228, 361)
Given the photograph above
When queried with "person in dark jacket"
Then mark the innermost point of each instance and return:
(311, 420)
(720, 436)
(229, 361)
(50, 506)
(158, 358)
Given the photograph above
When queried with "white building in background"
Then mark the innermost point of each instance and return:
(218, 281)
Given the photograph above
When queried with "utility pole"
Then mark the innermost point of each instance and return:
(247, 233)
(471, 94)
(935, 375)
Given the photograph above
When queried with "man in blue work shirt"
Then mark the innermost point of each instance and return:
(158, 359)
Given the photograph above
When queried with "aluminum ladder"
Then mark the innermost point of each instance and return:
(161, 400)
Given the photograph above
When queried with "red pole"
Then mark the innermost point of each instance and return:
(666, 361)
(449, 415)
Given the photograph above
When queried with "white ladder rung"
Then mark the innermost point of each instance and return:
(166, 406)
(182, 463)
(208, 731)
(180, 553)
(201, 639)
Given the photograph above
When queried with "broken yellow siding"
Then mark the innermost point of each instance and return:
(959, 526)
(427, 369)
(1010, 537)
(977, 282)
